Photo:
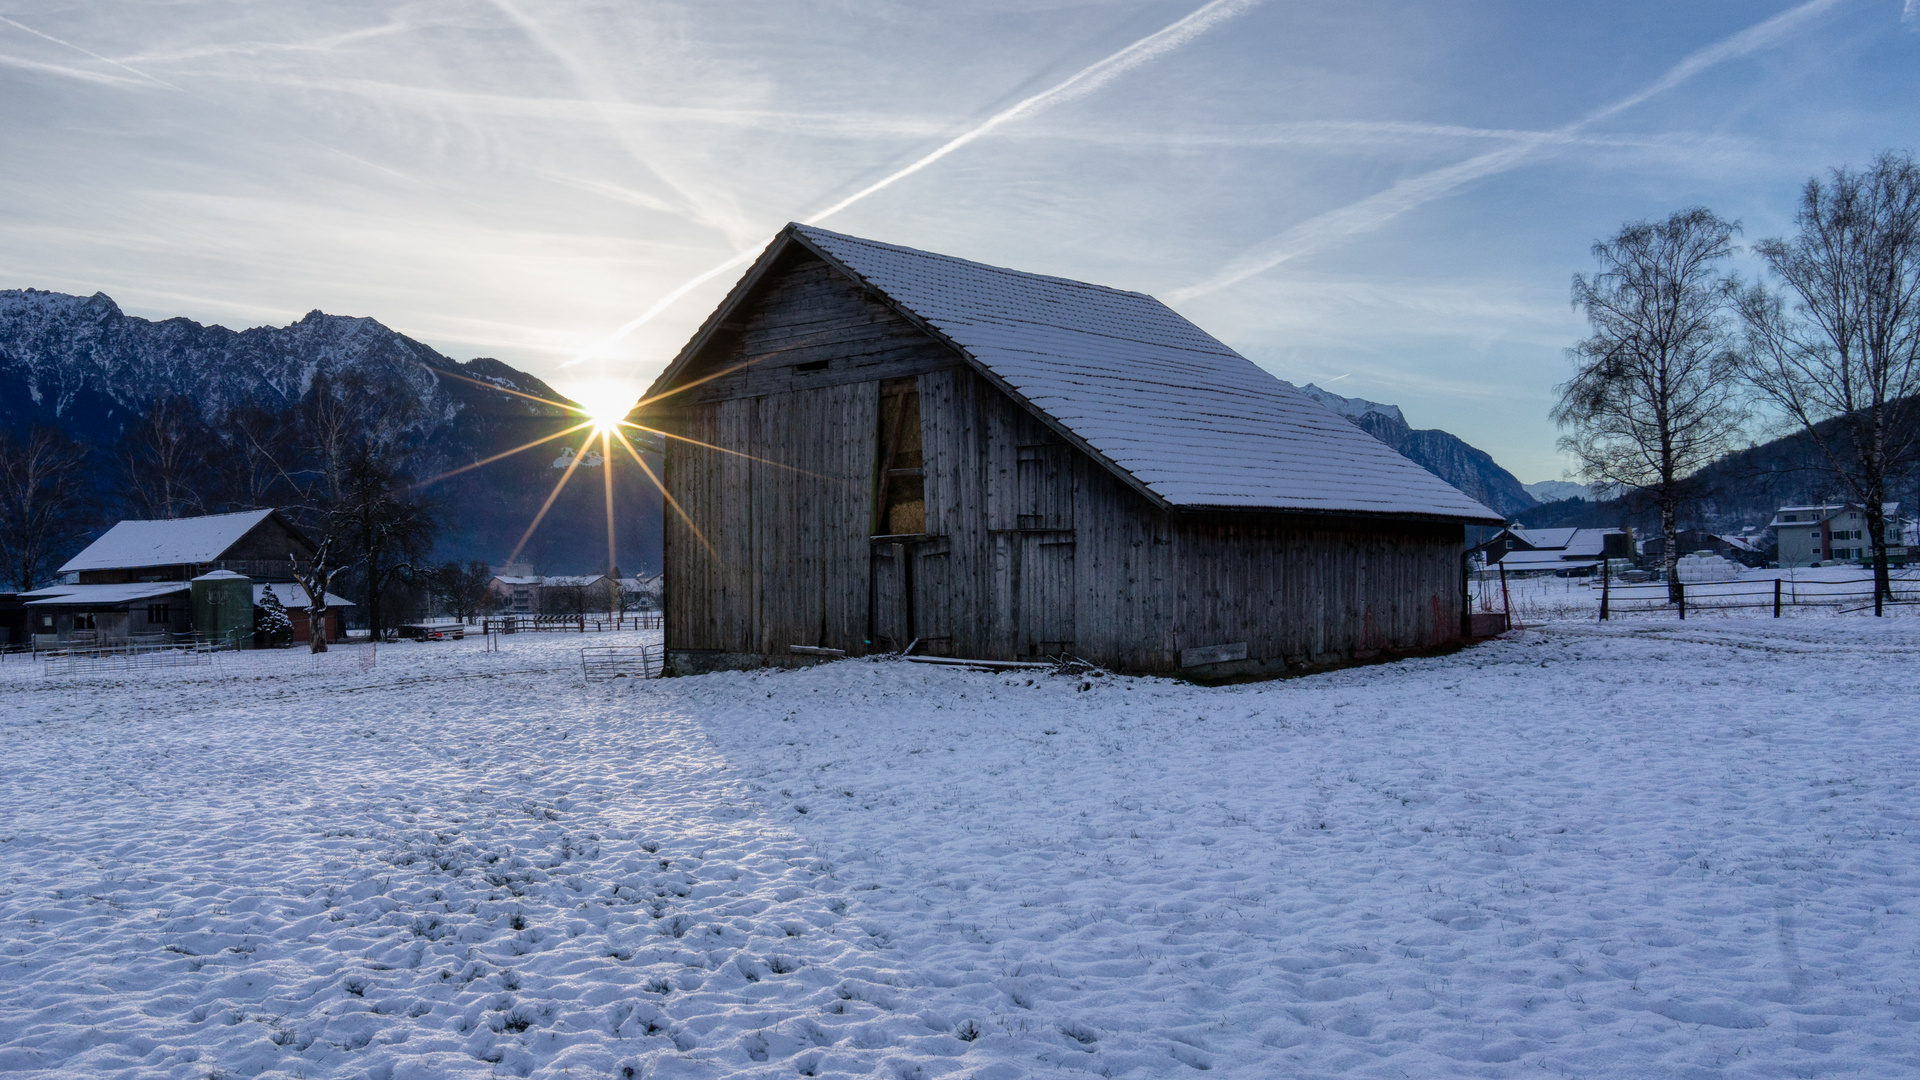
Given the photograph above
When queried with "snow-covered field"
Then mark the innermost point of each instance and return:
(1627, 850)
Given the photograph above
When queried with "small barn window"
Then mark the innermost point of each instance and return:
(159, 613)
(900, 491)
(810, 367)
(1046, 487)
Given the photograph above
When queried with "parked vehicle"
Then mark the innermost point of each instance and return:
(431, 632)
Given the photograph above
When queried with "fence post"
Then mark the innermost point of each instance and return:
(1606, 585)
(1680, 588)
(1776, 598)
(1506, 598)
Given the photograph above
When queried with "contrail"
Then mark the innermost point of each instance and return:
(1079, 84)
(1376, 210)
(78, 49)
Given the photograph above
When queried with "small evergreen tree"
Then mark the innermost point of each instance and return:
(270, 620)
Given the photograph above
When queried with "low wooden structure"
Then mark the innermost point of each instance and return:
(875, 448)
(133, 580)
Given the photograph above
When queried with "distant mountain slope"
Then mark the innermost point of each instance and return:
(1738, 491)
(1547, 491)
(1440, 453)
(83, 365)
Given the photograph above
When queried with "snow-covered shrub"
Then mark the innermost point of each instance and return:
(270, 620)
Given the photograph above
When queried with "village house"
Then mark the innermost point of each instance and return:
(1834, 533)
(557, 594)
(517, 594)
(883, 449)
(1733, 548)
(1564, 552)
(136, 581)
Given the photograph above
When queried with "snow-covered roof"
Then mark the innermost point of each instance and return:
(292, 595)
(103, 595)
(572, 580)
(1547, 560)
(1545, 539)
(517, 579)
(1557, 545)
(1154, 397)
(1813, 515)
(1586, 543)
(175, 542)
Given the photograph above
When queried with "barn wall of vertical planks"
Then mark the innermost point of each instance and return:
(846, 479)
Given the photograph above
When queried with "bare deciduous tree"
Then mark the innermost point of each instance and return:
(1840, 340)
(45, 503)
(1653, 396)
(385, 528)
(164, 460)
(464, 589)
(314, 576)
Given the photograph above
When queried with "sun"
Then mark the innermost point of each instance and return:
(605, 402)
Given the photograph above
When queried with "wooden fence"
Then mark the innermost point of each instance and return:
(571, 624)
(1774, 595)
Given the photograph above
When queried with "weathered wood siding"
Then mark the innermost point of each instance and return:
(1030, 547)
(781, 494)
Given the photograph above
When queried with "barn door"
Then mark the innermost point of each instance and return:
(931, 614)
(891, 618)
(913, 595)
(1046, 498)
(1046, 592)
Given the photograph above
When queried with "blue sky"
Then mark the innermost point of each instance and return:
(1387, 199)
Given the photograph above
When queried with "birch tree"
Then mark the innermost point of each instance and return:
(45, 504)
(1835, 344)
(1653, 397)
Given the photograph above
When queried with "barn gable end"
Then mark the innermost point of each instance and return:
(850, 477)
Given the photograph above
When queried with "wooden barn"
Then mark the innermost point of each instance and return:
(875, 447)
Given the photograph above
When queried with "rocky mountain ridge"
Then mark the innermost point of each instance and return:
(1445, 455)
(81, 364)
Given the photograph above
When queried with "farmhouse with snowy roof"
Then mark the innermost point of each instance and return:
(137, 579)
(1558, 551)
(880, 448)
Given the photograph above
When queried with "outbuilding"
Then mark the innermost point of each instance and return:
(134, 582)
(874, 448)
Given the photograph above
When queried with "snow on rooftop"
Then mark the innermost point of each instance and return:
(175, 542)
(292, 595)
(127, 592)
(1193, 421)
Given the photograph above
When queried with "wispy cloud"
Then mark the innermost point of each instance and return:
(1079, 84)
(87, 52)
(103, 77)
(327, 44)
(1376, 210)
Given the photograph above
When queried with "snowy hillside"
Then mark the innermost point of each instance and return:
(1351, 408)
(1443, 454)
(1699, 861)
(1547, 491)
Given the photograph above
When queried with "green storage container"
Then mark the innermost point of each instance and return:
(223, 608)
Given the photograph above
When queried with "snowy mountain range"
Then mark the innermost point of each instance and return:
(1444, 455)
(1547, 491)
(81, 364)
